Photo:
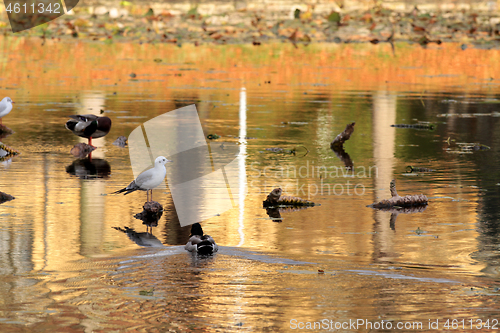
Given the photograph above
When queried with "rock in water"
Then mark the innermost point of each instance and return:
(81, 150)
(151, 214)
(121, 141)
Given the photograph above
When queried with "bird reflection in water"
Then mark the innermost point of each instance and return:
(89, 168)
(145, 239)
(401, 210)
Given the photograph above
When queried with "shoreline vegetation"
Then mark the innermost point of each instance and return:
(471, 24)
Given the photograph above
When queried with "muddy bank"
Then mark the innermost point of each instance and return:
(221, 22)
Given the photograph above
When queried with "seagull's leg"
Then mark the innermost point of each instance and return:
(90, 157)
(151, 194)
(90, 141)
(147, 195)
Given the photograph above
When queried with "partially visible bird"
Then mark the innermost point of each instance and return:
(199, 243)
(89, 126)
(5, 107)
(149, 179)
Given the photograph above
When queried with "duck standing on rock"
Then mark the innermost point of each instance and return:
(89, 126)
(5, 107)
(199, 243)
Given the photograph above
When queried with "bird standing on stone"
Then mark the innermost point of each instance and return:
(149, 179)
(5, 107)
(89, 126)
(199, 243)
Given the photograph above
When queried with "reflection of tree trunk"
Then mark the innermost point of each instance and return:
(343, 156)
(384, 136)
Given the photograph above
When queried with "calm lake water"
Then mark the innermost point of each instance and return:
(65, 268)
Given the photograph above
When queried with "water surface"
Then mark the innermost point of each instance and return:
(65, 267)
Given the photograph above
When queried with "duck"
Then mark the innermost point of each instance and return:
(199, 243)
(89, 126)
(5, 107)
(148, 179)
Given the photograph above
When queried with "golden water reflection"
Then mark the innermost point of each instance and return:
(64, 265)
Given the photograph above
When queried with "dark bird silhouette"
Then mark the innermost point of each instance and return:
(89, 126)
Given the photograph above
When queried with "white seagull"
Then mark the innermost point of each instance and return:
(149, 179)
(5, 107)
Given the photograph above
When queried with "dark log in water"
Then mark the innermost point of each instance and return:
(421, 126)
(274, 199)
(343, 137)
(398, 201)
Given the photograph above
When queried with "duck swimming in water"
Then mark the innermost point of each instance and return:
(199, 243)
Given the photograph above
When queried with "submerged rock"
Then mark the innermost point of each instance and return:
(121, 141)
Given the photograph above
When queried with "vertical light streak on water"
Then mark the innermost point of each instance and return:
(242, 172)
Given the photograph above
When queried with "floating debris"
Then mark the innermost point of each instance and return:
(410, 169)
(473, 146)
(213, 136)
(149, 292)
(121, 141)
(6, 152)
(343, 137)
(274, 199)
(419, 126)
(398, 201)
(81, 150)
(275, 149)
(468, 115)
(287, 151)
(4, 197)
